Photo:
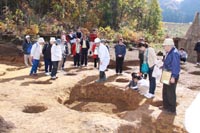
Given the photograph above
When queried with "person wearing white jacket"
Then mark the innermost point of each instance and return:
(104, 58)
(35, 55)
(56, 56)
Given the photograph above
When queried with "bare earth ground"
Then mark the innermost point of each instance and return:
(74, 103)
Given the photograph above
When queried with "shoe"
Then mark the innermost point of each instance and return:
(149, 95)
(47, 73)
(35, 74)
(198, 63)
(134, 88)
(53, 78)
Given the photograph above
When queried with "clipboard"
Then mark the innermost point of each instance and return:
(165, 77)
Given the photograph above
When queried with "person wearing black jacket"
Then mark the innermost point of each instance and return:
(197, 49)
(46, 51)
(120, 52)
(85, 46)
(79, 34)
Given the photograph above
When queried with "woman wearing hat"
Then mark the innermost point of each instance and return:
(150, 58)
(171, 64)
(56, 56)
(35, 55)
(104, 58)
(27, 45)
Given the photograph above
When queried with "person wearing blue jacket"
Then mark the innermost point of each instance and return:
(27, 45)
(120, 52)
(171, 64)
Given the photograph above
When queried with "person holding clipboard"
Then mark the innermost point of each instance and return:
(171, 67)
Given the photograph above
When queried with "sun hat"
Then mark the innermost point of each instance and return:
(58, 41)
(168, 41)
(52, 39)
(27, 36)
(41, 40)
(97, 40)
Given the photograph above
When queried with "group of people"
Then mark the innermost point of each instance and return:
(171, 63)
(55, 51)
(79, 46)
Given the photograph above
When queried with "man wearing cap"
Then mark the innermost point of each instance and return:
(104, 58)
(27, 45)
(171, 64)
(35, 55)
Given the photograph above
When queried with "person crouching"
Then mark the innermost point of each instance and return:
(56, 56)
(104, 58)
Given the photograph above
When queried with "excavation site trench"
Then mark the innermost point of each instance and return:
(95, 97)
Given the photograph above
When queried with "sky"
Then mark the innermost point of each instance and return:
(179, 0)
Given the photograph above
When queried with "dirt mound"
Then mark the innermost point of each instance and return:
(10, 53)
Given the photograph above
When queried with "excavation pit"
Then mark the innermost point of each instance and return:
(122, 80)
(195, 72)
(70, 74)
(96, 97)
(34, 108)
(194, 88)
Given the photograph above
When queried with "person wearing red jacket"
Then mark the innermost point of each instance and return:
(92, 37)
(95, 54)
(76, 52)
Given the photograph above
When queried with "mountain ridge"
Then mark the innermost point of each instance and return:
(179, 11)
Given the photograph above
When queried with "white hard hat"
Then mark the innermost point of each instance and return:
(97, 40)
(41, 40)
(52, 39)
(27, 36)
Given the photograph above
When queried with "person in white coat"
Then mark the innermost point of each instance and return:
(104, 58)
(35, 55)
(56, 56)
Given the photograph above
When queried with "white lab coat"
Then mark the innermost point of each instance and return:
(104, 57)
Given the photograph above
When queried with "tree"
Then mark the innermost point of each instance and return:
(153, 17)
